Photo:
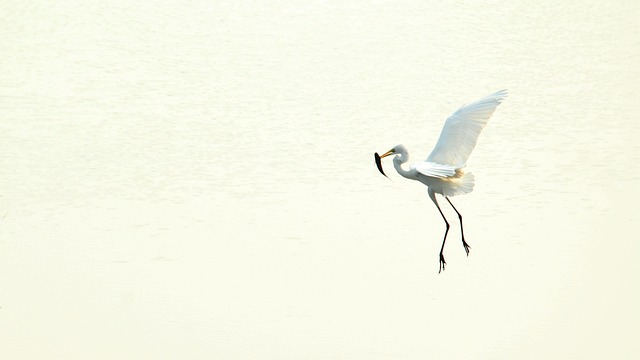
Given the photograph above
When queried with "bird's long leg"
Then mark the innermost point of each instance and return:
(464, 243)
(432, 195)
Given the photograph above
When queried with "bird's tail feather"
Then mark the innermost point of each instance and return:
(458, 185)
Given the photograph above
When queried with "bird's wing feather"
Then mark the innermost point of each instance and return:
(434, 169)
(461, 130)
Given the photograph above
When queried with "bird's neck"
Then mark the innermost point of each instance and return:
(397, 163)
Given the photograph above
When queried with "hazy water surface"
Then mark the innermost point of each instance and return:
(196, 180)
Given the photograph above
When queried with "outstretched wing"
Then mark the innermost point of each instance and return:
(460, 132)
(434, 169)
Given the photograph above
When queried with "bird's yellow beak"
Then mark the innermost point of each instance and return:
(390, 152)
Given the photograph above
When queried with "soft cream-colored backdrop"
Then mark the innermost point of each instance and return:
(195, 180)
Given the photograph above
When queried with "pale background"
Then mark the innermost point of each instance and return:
(195, 180)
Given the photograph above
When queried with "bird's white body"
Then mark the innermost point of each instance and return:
(442, 179)
(443, 171)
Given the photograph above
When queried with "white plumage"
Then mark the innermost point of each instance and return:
(433, 169)
(461, 130)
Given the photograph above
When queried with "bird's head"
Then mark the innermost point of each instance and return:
(399, 150)
(396, 150)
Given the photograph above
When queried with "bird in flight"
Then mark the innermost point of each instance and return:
(443, 171)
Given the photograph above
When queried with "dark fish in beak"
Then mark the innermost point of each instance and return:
(379, 164)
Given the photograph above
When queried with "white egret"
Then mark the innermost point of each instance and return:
(443, 172)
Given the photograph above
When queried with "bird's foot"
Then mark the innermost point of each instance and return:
(442, 263)
(466, 247)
